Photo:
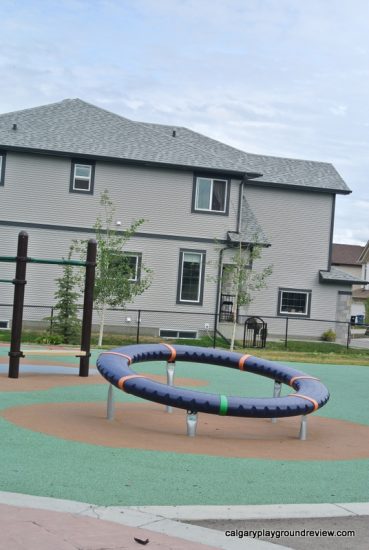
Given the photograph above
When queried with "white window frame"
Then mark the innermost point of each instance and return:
(137, 274)
(199, 290)
(85, 178)
(305, 313)
(197, 208)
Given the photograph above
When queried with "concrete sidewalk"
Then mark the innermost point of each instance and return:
(40, 523)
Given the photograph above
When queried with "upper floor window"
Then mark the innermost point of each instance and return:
(294, 302)
(191, 277)
(2, 168)
(211, 195)
(82, 177)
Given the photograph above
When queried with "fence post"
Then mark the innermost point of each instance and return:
(18, 303)
(138, 326)
(286, 335)
(348, 335)
(51, 320)
(215, 330)
(88, 307)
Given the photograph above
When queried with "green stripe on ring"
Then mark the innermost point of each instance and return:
(223, 406)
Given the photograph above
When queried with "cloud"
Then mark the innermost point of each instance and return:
(275, 77)
(338, 110)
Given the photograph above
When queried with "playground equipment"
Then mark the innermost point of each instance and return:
(115, 366)
(21, 260)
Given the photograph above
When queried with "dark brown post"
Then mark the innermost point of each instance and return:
(88, 303)
(19, 286)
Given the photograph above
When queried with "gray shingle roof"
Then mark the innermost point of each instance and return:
(250, 229)
(78, 128)
(346, 254)
(279, 170)
(337, 276)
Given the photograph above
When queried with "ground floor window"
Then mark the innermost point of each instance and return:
(169, 333)
(294, 302)
(191, 276)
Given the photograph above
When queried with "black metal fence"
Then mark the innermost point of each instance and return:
(293, 328)
(144, 325)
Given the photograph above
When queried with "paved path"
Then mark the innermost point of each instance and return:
(360, 343)
(39, 523)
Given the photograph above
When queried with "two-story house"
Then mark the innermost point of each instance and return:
(199, 199)
(354, 259)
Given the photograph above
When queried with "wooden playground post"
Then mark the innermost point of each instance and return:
(19, 287)
(88, 307)
(19, 282)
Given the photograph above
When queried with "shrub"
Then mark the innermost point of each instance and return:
(329, 336)
(53, 339)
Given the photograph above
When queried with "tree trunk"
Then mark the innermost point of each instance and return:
(231, 347)
(102, 323)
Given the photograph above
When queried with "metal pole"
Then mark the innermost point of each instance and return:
(138, 327)
(348, 335)
(88, 307)
(191, 423)
(276, 393)
(286, 336)
(110, 404)
(170, 381)
(19, 287)
(51, 319)
(215, 330)
(303, 428)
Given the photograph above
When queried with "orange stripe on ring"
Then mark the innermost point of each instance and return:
(315, 403)
(120, 354)
(172, 358)
(124, 379)
(301, 378)
(241, 362)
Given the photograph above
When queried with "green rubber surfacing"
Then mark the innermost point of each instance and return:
(43, 465)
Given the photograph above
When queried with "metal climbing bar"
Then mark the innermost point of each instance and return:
(13, 259)
(79, 263)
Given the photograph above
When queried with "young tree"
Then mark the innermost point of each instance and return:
(243, 280)
(65, 321)
(114, 283)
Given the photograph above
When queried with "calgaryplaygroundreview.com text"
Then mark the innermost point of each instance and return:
(279, 533)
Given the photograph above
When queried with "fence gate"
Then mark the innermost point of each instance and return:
(255, 333)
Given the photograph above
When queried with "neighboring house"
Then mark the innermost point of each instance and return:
(200, 198)
(354, 259)
(361, 295)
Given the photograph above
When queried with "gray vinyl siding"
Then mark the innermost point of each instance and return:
(298, 224)
(39, 184)
(161, 256)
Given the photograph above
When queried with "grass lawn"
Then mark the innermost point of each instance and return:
(296, 351)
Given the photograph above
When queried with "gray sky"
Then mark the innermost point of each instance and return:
(277, 77)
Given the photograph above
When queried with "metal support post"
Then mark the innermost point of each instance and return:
(192, 418)
(276, 393)
(18, 303)
(110, 403)
(88, 307)
(170, 381)
(303, 428)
